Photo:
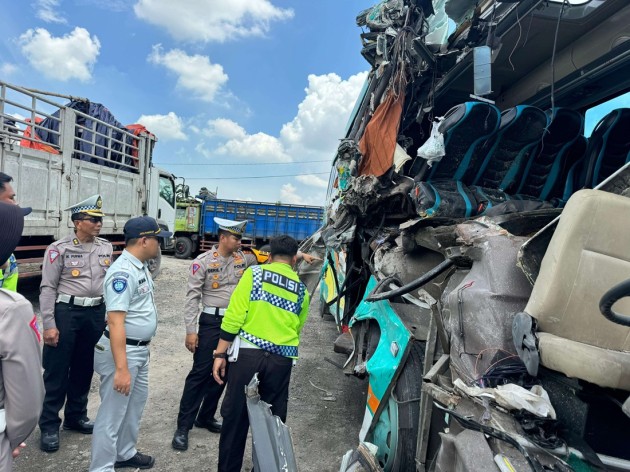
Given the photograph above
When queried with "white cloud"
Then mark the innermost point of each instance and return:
(166, 127)
(312, 180)
(288, 194)
(211, 20)
(195, 73)
(71, 56)
(322, 115)
(46, 10)
(225, 128)
(260, 147)
(7, 69)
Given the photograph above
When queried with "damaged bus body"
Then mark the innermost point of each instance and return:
(472, 282)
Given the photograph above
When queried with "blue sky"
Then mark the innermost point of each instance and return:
(266, 84)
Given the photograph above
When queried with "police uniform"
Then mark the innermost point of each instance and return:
(128, 288)
(211, 281)
(21, 385)
(71, 300)
(267, 312)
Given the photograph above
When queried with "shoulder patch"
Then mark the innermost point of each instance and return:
(53, 254)
(121, 274)
(195, 267)
(119, 285)
(34, 327)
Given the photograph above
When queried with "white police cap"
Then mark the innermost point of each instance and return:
(234, 227)
(90, 206)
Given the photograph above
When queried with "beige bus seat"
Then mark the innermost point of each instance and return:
(588, 254)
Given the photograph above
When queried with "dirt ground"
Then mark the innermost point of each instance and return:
(322, 430)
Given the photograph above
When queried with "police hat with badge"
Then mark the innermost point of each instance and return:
(144, 227)
(90, 207)
(237, 228)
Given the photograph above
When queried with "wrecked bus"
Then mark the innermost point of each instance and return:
(476, 236)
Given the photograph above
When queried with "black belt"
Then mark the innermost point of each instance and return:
(130, 342)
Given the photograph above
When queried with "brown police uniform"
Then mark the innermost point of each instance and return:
(211, 281)
(21, 386)
(71, 300)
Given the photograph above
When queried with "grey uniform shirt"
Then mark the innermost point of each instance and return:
(129, 288)
(211, 280)
(72, 269)
(21, 383)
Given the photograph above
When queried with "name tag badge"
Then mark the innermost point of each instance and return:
(144, 289)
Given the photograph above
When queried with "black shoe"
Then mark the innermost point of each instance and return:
(213, 426)
(49, 441)
(180, 440)
(139, 461)
(83, 426)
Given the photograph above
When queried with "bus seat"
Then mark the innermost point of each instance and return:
(465, 128)
(521, 129)
(608, 146)
(588, 254)
(544, 170)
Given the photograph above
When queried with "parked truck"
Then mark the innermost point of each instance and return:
(196, 231)
(61, 154)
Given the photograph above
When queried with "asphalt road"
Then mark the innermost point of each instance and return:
(325, 407)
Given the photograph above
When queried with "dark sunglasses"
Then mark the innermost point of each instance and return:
(93, 219)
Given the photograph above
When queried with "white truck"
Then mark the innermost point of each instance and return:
(61, 154)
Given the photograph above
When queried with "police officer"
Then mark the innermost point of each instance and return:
(21, 385)
(267, 312)
(122, 354)
(73, 313)
(9, 270)
(212, 278)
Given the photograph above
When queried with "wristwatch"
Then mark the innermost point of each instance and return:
(219, 355)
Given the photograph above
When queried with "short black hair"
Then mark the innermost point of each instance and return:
(227, 233)
(4, 179)
(283, 245)
(131, 241)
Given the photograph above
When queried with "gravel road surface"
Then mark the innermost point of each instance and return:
(324, 424)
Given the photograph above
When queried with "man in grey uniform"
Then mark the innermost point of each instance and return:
(21, 385)
(212, 278)
(73, 313)
(121, 356)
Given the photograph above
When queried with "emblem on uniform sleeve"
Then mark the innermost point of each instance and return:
(119, 285)
(195, 268)
(52, 255)
(34, 327)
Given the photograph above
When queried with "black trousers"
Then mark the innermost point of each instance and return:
(68, 368)
(274, 374)
(200, 387)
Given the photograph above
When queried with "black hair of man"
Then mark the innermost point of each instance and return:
(131, 242)
(227, 233)
(283, 246)
(4, 179)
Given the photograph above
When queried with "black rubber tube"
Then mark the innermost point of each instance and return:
(611, 297)
(419, 282)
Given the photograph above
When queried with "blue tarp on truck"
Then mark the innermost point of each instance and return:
(265, 220)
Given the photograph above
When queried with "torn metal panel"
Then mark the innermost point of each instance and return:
(272, 444)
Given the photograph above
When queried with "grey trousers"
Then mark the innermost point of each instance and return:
(118, 419)
(6, 460)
